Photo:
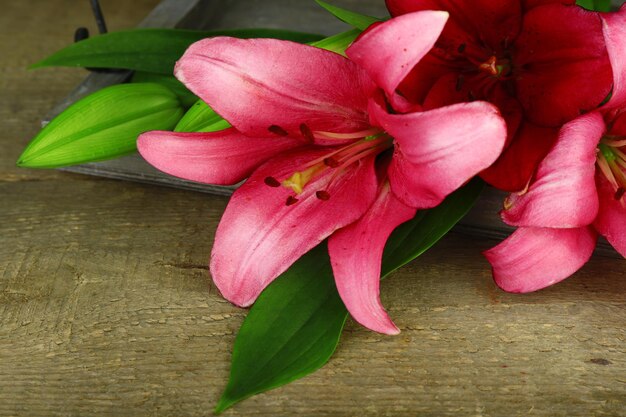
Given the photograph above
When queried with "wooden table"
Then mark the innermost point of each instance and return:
(107, 307)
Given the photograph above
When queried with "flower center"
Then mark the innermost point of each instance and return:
(480, 67)
(611, 159)
(496, 67)
(370, 142)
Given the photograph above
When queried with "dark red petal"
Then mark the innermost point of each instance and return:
(561, 69)
(475, 22)
(518, 162)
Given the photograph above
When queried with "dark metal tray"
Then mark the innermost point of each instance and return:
(301, 15)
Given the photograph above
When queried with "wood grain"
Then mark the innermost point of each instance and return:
(107, 309)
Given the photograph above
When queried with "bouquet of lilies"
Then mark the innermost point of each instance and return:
(357, 152)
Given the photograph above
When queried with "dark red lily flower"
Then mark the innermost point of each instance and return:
(542, 62)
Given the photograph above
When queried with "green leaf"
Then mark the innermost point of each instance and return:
(103, 125)
(415, 237)
(338, 43)
(291, 331)
(357, 20)
(294, 326)
(597, 5)
(150, 50)
(201, 118)
(186, 97)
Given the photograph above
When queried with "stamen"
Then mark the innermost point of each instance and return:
(620, 193)
(606, 169)
(291, 200)
(307, 133)
(353, 135)
(322, 195)
(272, 182)
(277, 130)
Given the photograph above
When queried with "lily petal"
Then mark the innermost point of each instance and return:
(260, 236)
(529, 4)
(564, 193)
(264, 86)
(356, 253)
(611, 220)
(534, 258)
(224, 158)
(555, 61)
(389, 51)
(475, 21)
(614, 29)
(517, 164)
(439, 150)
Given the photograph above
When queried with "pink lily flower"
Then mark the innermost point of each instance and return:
(325, 156)
(579, 191)
(532, 58)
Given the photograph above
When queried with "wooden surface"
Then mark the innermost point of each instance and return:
(107, 309)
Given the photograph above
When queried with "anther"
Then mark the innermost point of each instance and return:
(307, 133)
(461, 48)
(272, 182)
(331, 162)
(322, 195)
(291, 200)
(277, 130)
(620, 193)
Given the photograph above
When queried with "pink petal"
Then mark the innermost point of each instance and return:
(555, 61)
(262, 86)
(534, 258)
(564, 192)
(356, 252)
(389, 51)
(225, 157)
(259, 236)
(614, 28)
(611, 220)
(439, 150)
(517, 164)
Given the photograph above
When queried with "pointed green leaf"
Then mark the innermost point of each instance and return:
(338, 43)
(103, 125)
(150, 50)
(201, 118)
(597, 5)
(415, 237)
(186, 97)
(357, 20)
(291, 331)
(294, 326)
